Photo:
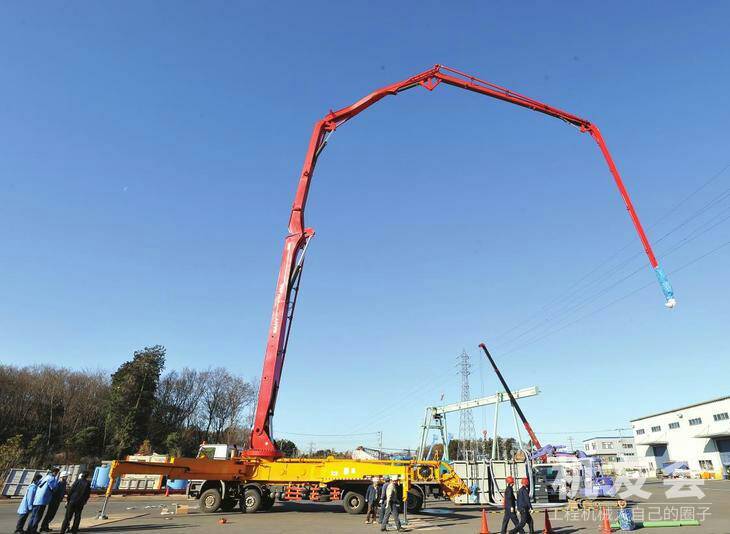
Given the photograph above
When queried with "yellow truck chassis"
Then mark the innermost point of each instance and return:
(253, 483)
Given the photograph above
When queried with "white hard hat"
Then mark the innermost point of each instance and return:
(64, 474)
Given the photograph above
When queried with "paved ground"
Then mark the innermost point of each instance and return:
(713, 510)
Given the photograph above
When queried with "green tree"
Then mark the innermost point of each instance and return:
(510, 447)
(11, 453)
(85, 443)
(36, 453)
(145, 449)
(453, 448)
(132, 400)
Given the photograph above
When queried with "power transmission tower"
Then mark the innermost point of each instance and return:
(467, 434)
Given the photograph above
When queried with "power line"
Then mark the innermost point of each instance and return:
(386, 413)
(325, 435)
(582, 431)
(573, 288)
(427, 384)
(697, 232)
(627, 295)
(565, 311)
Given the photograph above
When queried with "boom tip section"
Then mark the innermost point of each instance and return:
(666, 286)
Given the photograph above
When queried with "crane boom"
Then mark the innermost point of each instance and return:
(512, 400)
(295, 243)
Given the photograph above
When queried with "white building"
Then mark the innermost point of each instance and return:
(698, 434)
(610, 448)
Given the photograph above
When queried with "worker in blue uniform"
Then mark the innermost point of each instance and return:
(509, 506)
(372, 498)
(524, 505)
(43, 496)
(26, 505)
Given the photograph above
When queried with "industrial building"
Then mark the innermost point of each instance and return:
(698, 434)
(611, 448)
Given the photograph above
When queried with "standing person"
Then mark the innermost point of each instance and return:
(58, 494)
(381, 501)
(509, 506)
(78, 495)
(393, 501)
(26, 505)
(524, 505)
(372, 496)
(42, 498)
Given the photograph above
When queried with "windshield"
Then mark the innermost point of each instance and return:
(547, 472)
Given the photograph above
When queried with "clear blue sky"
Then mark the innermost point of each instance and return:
(150, 153)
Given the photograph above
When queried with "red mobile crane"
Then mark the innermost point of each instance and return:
(295, 244)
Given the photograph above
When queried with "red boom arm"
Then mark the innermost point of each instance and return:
(295, 243)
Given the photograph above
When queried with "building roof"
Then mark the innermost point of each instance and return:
(608, 437)
(681, 408)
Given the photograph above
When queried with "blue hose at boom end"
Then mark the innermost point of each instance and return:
(666, 286)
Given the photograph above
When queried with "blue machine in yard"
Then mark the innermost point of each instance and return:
(572, 475)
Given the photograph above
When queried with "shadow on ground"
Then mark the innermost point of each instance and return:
(139, 528)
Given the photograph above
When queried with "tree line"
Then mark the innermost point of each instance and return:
(51, 414)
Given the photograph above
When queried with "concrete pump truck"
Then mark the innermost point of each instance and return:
(253, 477)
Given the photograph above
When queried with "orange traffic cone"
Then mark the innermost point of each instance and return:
(606, 524)
(548, 529)
(485, 526)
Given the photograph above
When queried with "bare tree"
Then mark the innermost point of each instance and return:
(223, 402)
(54, 414)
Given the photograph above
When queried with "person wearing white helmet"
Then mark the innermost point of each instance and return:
(381, 502)
(57, 495)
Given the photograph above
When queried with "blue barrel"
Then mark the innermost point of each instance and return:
(100, 480)
(626, 519)
(177, 485)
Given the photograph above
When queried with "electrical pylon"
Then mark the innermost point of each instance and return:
(467, 434)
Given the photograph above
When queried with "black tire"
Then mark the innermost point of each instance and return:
(354, 502)
(228, 504)
(267, 503)
(414, 502)
(210, 501)
(251, 501)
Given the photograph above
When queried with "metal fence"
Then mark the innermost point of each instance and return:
(18, 479)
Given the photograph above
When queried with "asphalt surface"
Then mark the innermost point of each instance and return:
(713, 510)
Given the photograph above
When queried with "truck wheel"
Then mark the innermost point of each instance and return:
(228, 504)
(210, 500)
(353, 502)
(251, 501)
(414, 502)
